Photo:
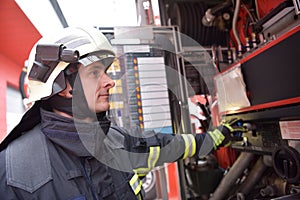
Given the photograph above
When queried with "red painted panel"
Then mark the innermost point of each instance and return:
(173, 181)
(273, 104)
(9, 75)
(17, 36)
(265, 6)
(2, 108)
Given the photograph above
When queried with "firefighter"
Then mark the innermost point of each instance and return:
(65, 147)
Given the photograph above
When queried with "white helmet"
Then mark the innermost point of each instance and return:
(51, 55)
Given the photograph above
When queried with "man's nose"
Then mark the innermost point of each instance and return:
(108, 82)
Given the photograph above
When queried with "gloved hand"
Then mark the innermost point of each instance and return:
(227, 132)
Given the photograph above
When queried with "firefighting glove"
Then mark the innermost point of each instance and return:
(227, 132)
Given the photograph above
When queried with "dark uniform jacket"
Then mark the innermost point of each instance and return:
(60, 159)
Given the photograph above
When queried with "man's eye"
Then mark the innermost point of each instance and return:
(95, 73)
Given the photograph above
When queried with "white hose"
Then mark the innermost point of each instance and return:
(257, 11)
(234, 22)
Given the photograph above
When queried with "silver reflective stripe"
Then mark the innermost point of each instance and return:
(94, 58)
(136, 184)
(190, 145)
(73, 41)
(66, 39)
(192, 150)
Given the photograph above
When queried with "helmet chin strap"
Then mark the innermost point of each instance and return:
(60, 103)
(65, 105)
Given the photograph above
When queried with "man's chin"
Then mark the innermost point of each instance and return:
(102, 109)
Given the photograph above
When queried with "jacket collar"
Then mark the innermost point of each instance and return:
(80, 138)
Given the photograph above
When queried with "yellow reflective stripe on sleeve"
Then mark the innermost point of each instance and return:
(186, 144)
(193, 149)
(154, 153)
(153, 156)
(190, 145)
(136, 184)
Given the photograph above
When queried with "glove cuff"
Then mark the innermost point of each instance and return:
(217, 137)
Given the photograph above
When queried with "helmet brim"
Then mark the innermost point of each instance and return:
(105, 57)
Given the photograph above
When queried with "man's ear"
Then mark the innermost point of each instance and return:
(67, 92)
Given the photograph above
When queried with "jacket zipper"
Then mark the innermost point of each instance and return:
(88, 180)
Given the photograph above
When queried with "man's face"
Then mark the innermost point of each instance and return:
(96, 84)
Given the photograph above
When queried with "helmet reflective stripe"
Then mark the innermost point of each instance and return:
(66, 39)
(77, 42)
(100, 56)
